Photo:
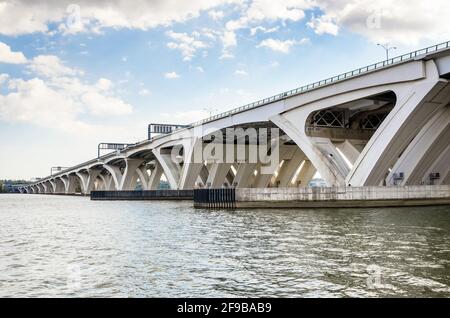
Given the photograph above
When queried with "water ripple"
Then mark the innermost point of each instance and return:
(72, 247)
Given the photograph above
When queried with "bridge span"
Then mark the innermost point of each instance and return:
(381, 125)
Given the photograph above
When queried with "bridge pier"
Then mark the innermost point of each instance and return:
(289, 168)
(217, 175)
(416, 104)
(326, 165)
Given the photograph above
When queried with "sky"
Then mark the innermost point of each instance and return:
(77, 73)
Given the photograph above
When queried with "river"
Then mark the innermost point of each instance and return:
(64, 246)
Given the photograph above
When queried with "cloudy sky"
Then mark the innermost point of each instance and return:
(76, 73)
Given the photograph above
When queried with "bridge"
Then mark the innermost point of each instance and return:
(384, 124)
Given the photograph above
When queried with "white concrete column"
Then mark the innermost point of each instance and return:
(190, 173)
(244, 175)
(217, 174)
(109, 184)
(155, 176)
(306, 174)
(59, 185)
(440, 165)
(129, 178)
(204, 174)
(65, 181)
(143, 177)
(92, 177)
(171, 169)
(52, 186)
(289, 169)
(414, 107)
(192, 163)
(427, 145)
(116, 177)
(333, 157)
(294, 125)
(71, 184)
(84, 180)
(349, 150)
(41, 188)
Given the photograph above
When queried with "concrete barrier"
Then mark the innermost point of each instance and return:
(343, 197)
(142, 195)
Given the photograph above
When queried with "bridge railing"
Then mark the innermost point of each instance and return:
(328, 81)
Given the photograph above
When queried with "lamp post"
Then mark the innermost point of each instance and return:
(210, 110)
(387, 48)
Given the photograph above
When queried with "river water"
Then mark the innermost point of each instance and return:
(58, 246)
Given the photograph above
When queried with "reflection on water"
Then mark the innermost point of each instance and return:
(71, 247)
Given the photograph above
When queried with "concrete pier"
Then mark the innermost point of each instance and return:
(142, 195)
(340, 197)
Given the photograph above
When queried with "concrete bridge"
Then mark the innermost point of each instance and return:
(383, 124)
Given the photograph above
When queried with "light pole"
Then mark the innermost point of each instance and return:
(387, 48)
(210, 110)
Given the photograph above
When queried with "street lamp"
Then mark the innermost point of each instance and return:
(387, 48)
(210, 110)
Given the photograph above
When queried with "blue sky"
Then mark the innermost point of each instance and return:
(65, 86)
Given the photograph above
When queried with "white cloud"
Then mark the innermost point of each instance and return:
(144, 92)
(216, 15)
(323, 24)
(10, 57)
(3, 78)
(104, 84)
(171, 75)
(187, 44)
(200, 69)
(403, 21)
(226, 55)
(51, 66)
(281, 46)
(24, 17)
(229, 39)
(59, 98)
(240, 73)
(275, 64)
(262, 29)
(99, 104)
(33, 101)
(269, 10)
